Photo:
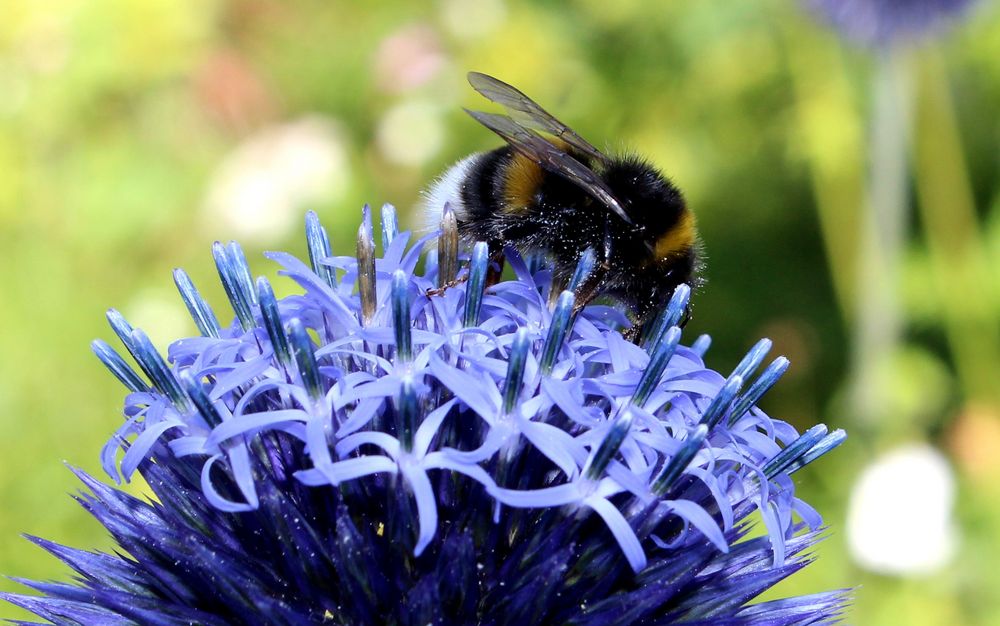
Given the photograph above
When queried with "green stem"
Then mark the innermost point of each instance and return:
(878, 317)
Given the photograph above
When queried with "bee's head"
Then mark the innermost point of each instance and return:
(661, 220)
(660, 249)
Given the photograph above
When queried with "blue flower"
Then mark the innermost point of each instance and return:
(884, 22)
(398, 447)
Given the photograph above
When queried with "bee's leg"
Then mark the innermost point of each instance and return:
(645, 322)
(585, 291)
(559, 283)
(634, 332)
(439, 291)
(688, 316)
(642, 323)
(496, 263)
(497, 260)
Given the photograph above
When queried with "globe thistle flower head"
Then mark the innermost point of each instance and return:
(419, 447)
(882, 23)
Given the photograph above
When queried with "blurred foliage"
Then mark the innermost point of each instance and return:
(133, 134)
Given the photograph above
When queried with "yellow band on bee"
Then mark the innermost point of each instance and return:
(678, 239)
(523, 177)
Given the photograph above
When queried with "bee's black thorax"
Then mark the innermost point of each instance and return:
(509, 200)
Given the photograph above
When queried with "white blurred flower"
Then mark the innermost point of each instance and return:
(260, 189)
(899, 518)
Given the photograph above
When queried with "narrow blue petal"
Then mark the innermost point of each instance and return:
(701, 345)
(775, 530)
(239, 463)
(618, 353)
(474, 287)
(248, 423)
(273, 323)
(305, 359)
(212, 494)
(209, 412)
(407, 414)
(139, 451)
(721, 402)
(515, 370)
(401, 323)
(429, 427)
(700, 519)
(609, 446)
(752, 359)
(826, 444)
(712, 482)
(427, 513)
(241, 271)
(795, 450)
(757, 390)
(559, 326)
(562, 394)
(679, 461)
(539, 498)
(243, 374)
(121, 327)
(390, 225)
(318, 243)
(623, 533)
(200, 311)
(156, 369)
(555, 443)
(384, 387)
(233, 283)
(117, 366)
(663, 351)
(327, 298)
(495, 439)
(361, 416)
(385, 441)
(465, 387)
(342, 471)
(809, 515)
(439, 460)
(393, 254)
(584, 268)
(668, 317)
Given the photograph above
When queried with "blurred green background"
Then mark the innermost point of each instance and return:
(134, 134)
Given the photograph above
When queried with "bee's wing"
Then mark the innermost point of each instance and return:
(551, 158)
(531, 114)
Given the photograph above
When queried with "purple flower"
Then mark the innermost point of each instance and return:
(884, 22)
(404, 448)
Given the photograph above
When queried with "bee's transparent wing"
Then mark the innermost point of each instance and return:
(551, 158)
(528, 113)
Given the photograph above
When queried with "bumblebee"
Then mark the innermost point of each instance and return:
(550, 191)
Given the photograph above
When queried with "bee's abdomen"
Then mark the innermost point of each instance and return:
(447, 190)
(481, 191)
